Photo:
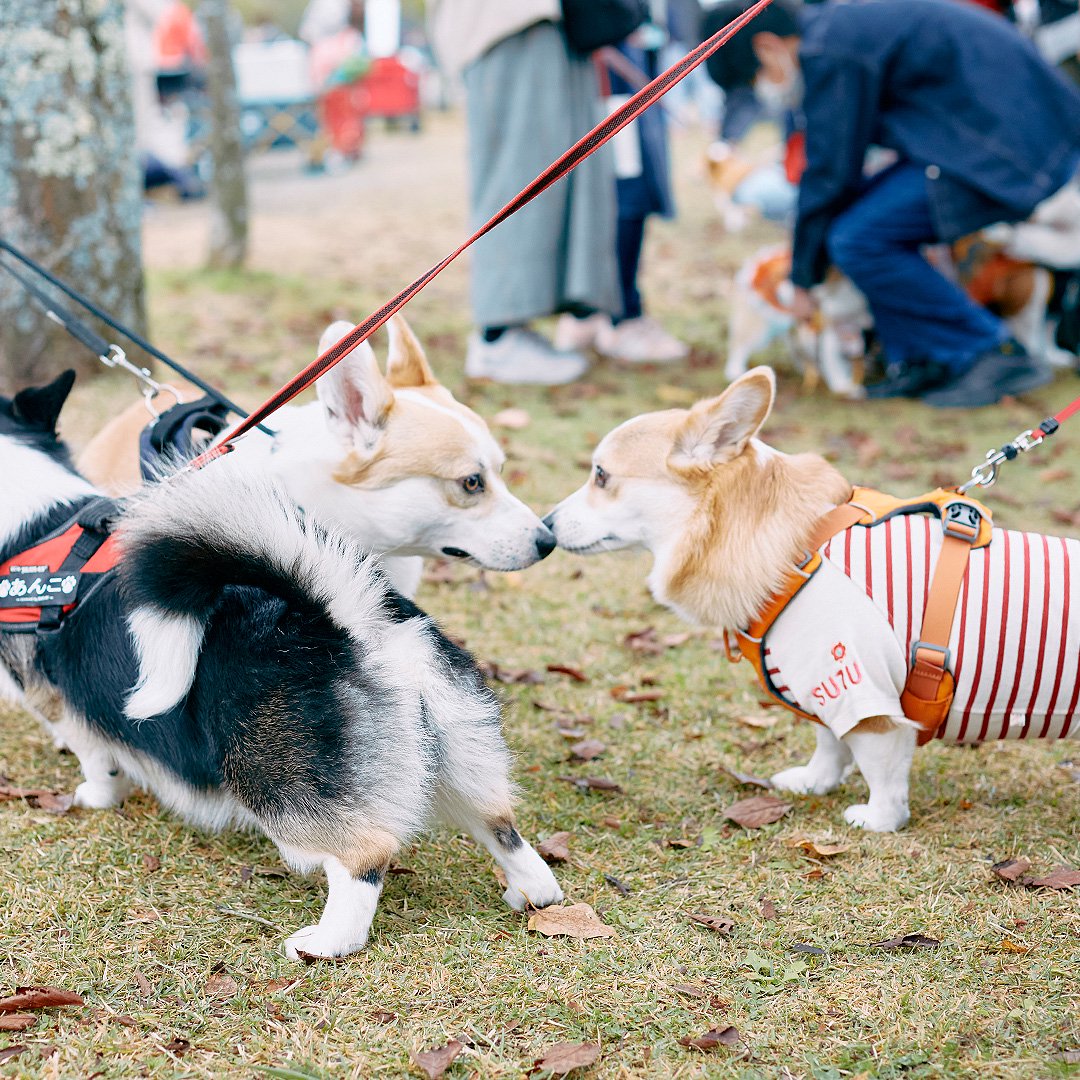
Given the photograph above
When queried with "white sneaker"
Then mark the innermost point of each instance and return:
(641, 341)
(522, 357)
(577, 335)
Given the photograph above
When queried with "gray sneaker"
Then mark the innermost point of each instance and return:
(522, 357)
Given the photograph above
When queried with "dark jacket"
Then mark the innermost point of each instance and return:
(945, 84)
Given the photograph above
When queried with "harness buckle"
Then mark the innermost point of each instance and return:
(961, 520)
(929, 647)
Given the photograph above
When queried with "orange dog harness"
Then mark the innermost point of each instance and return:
(929, 689)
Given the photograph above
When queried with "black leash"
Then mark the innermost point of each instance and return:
(108, 354)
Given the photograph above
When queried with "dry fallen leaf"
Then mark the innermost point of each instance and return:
(759, 810)
(908, 941)
(55, 803)
(177, 1046)
(511, 419)
(563, 1058)
(619, 886)
(768, 909)
(433, 1063)
(10, 1052)
(143, 983)
(556, 847)
(38, 997)
(747, 778)
(645, 641)
(728, 1036)
(1061, 878)
(590, 783)
(220, 986)
(151, 863)
(722, 926)
(1008, 945)
(587, 749)
(817, 849)
(576, 921)
(570, 672)
(17, 1021)
(755, 721)
(1011, 869)
(635, 697)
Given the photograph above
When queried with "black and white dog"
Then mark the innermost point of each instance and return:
(253, 668)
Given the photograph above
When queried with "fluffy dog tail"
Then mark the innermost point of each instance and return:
(188, 537)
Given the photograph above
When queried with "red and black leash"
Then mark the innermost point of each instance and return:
(596, 138)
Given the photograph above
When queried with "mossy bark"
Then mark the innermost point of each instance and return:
(70, 182)
(228, 185)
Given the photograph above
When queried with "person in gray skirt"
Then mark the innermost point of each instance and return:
(528, 99)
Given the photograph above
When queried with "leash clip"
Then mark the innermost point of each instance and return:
(985, 474)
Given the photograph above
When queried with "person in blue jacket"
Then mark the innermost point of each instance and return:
(984, 130)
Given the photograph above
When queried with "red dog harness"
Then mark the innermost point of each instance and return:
(929, 690)
(42, 584)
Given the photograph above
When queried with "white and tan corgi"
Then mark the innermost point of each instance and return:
(392, 458)
(727, 517)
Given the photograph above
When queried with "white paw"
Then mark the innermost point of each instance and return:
(539, 890)
(863, 816)
(99, 796)
(322, 941)
(805, 780)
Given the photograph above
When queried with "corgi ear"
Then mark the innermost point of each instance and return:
(355, 395)
(406, 364)
(717, 430)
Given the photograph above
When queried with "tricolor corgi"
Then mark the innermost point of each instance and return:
(251, 666)
(727, 517)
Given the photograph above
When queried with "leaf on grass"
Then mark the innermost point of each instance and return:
(755, 721)
(434, 1062)
(728, 1036)
(619, 886)
(635, 697)
(1008, 945)
(563, 1058)
(1011, 869)
(177, 1046)
(817, 849)
(143, 983)
(576, 921)
(570, 672)
(590, 783)
(512, 419)
(220, 986)
(38, 997)
(556, 848)
(757, 811)
(768, 909)
(587, 749)
(747, 778)
(908, 941)
(382, 1016)
(644, 641)
(10, 1052)
(810, 950)
(17, 1021)
(151, 863)
(1061, 878)
(53, 802)
(724, 927)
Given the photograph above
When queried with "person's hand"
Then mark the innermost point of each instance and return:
(803, 305)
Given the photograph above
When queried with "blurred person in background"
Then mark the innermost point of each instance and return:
(528, 100)
(984, 130)
(643, 188)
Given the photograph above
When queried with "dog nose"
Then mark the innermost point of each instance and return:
(545, 542)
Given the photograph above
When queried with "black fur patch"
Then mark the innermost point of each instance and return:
(508, 837)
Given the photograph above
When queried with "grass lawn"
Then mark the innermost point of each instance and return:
(173, 936)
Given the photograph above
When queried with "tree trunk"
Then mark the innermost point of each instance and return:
(70, 182)
(228, 185)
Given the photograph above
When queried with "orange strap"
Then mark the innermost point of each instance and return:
(928, 691)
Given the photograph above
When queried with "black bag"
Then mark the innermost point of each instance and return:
(591, 24)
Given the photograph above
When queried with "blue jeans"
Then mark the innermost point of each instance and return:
(918, 313)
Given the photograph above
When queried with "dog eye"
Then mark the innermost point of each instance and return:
(473, 484)
(600, 476)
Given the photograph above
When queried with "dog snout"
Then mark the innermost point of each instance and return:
(545, 541)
